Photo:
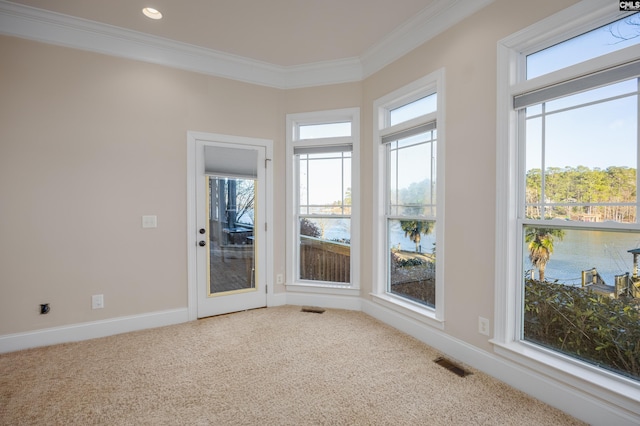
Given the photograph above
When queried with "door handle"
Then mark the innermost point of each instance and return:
(202, 243)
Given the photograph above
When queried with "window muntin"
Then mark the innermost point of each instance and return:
(581, 156)
(325, 183)
(412, 175)
(577, 215)
(606, 39)
(410, 215)
(601, 94)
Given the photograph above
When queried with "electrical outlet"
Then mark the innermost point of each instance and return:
(280, 279)
(483, 326)
(97, 301)
(150, 221)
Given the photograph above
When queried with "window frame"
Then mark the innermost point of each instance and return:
(511, 82)
(425, 86)
(293, 123)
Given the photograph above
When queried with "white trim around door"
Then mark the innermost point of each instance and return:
(193, 156)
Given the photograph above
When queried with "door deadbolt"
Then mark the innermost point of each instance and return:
(202, 230)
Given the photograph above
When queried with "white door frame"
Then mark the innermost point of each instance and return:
(192, 157)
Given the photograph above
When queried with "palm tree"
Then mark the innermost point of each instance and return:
(414, 229)
(540, 244)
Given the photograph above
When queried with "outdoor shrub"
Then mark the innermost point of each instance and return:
(309, 228)
(341, 240)
(401, 263)
(411, 262)
(594, 328)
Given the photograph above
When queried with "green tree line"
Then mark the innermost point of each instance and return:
(570, 185)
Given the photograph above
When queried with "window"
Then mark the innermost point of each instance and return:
(568, 233)
(413, 109)
(322, 198)
(410, 215)
(408, 131)
(611, 37)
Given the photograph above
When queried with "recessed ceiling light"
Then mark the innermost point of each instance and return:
(152, 13)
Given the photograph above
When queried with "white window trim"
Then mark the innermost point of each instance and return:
(429, 84)
(319, 117)
(572, 21)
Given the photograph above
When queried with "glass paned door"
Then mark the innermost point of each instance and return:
(232, 254)
(231, 232)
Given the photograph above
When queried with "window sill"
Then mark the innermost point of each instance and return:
(611, 387)
(413, 310)
(343, 290)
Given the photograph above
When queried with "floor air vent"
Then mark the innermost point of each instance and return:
(456, 369)
(313, 309)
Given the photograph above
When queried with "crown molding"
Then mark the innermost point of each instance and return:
(63, 30)
(323, 73)
(427, 24)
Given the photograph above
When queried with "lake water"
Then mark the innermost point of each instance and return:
(578, 251)
(582, 250)
(336, 229)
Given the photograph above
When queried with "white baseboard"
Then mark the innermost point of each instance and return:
(91, 330)
(572, 401)
(276, 299)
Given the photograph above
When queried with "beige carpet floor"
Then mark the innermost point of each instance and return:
(275, 366)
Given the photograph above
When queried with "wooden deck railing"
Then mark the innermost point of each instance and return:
(592, 277)
(322, 260)
(592, 280)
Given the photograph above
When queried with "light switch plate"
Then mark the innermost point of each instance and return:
(150, 221)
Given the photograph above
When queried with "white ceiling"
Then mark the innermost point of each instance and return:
(280, 43)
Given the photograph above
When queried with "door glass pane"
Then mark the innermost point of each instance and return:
(231, 234)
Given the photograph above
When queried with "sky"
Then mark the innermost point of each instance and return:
(609, 38)
(599, 135)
